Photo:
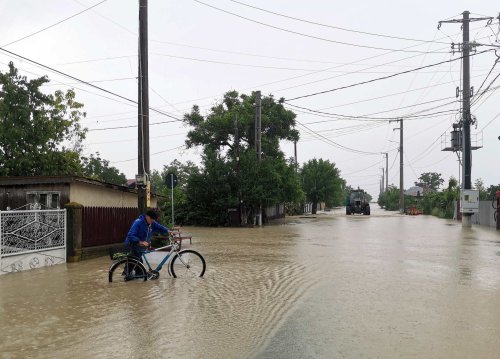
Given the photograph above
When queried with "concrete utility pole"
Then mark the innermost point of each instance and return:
(466, 46)
(382, 183)
(401, 178)
(295, 155)
(466, 115)
(386, 170)
(258, 139)
(143, 109)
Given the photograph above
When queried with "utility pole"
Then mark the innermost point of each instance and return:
(237, 153)
(386, 170)
(466, 46)
(295, 155)
(143, 109)
(466, 115)
(401, 177)
(382, 184)
(258, 140)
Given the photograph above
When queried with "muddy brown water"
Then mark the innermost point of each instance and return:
(384, 286)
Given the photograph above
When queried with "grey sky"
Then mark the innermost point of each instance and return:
(182, 73)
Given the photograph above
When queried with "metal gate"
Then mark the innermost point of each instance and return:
(32, 239)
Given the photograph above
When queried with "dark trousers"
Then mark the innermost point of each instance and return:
(136, 251)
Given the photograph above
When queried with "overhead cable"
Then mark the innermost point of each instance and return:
(381, 78)
(53, 25)
(336, 27)
(86, 83)
(307, 35)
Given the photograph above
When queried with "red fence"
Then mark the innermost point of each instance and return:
(103, 225)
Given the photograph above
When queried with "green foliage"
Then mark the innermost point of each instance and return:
(181, 204)
(389, 199)
(321, 182)
(216, 131)
(430, 181)
(491, 191)
(437, 203)
(230, 175)
(97, 168)
(40, 134)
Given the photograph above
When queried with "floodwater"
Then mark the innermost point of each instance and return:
(384, 286)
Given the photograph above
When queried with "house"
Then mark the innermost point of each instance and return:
(55, 191)
(415, 191)
(105, 210)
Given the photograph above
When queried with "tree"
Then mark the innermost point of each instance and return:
(97, 168)
(216, 131)
(491, 191)
(321, 182)
(430, 180)
(479, 185)
(183, 171)
(231, 176)
(40, 134)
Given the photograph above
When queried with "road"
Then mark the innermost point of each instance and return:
(383, 286)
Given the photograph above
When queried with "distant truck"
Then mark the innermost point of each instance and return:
(356, 202)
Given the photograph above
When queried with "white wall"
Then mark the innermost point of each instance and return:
(90, 195)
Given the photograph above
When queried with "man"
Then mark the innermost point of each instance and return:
(139, 236)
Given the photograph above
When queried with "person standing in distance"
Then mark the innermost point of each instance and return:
(139, 236)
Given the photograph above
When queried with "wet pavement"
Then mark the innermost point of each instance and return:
(384, 286)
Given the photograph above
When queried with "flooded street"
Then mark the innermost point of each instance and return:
(384, 286)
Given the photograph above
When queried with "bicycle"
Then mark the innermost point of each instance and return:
(185, 263)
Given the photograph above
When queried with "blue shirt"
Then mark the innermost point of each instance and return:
(141, 231)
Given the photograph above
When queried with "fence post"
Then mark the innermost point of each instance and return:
(74, 231)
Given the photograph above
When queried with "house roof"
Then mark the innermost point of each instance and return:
(33, 180)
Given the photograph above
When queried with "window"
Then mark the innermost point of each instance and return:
(42, 200)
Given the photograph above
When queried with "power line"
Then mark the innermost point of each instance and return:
(488, 75)
(152, 154)
(336, 27)
(95, 81)
(135, 139)
(94, 60)
(364, 169)
(130, 126)
(383, 119)
(86, 83)
(264, 66)
(306, 35)
(390, 95)
(53, 25)
(381, 78)
(337, 145)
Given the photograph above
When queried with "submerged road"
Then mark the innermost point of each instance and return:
(384, 286)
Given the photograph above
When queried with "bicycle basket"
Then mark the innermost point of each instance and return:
(117, 253)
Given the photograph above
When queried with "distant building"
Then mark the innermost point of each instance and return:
(415, 191)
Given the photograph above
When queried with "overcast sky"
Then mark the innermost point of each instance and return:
(197, 53)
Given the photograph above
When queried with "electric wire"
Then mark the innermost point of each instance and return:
(303, 34)
(86, 83)
(335, 144)
(380, 78)
(53, 25)
(335, 27)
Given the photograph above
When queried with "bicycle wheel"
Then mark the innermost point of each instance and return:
(187, 263)
(127, 269)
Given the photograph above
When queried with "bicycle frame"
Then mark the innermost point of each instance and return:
(165, 261)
